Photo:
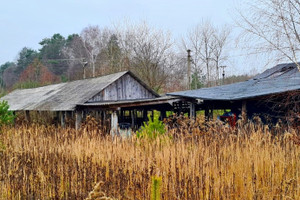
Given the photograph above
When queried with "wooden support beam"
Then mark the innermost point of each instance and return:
(145, 115)
(78, 116)
(97, 115)
(62, 115)
(192, 111)
(39, 115)
(114, 124)
(69, 115)
(163, 114)
(244, 111)
(206, 114)
(84, 114)
(57, 118)
(101, 118)
(132, 118)
(27, 116)
(14, 120)
(211, 114)
(122, 115)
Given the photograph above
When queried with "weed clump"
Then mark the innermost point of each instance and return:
(6, 116)
(152, 128)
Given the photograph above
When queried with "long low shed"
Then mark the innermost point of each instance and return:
(72, 96)
(252, 96)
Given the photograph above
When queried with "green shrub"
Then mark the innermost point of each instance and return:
(152, 128)
(6, 116)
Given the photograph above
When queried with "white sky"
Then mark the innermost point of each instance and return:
(26, 23)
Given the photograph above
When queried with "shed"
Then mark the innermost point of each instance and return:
(65, 97)
(248, 95)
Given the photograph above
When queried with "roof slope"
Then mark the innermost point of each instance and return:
(63, 96)
(281, 78)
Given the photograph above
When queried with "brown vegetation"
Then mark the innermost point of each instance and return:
(214, 162)
(37, 72)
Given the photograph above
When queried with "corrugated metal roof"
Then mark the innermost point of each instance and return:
(60, 97)
(281, 78)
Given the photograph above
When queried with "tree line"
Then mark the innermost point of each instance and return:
(153, 55)
(150, 53)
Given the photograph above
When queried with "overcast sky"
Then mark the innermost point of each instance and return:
(26, 23)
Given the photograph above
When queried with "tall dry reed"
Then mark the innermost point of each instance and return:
(39, 162)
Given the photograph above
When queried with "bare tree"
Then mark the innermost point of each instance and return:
(220, 42)
(177, 73)
(94, 41)
(75, 55)
(149, 51)
(207, 44)
(273, 27)
(90, 46)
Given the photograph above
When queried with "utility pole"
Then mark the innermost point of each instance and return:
(189, 68)
(81, 60)
(223, 74)
(84, 64)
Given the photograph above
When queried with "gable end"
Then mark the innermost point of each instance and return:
(125, 88)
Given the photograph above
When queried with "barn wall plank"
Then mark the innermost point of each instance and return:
(123, 89)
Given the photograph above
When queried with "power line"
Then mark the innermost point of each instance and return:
(70, 59)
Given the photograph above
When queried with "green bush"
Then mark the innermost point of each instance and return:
(6, 116)
(152, 128)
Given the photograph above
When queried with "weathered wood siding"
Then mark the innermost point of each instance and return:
(124, 88)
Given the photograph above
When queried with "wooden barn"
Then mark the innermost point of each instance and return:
(119, 98)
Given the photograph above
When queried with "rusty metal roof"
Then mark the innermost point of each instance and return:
(281, 78)
(63, 96)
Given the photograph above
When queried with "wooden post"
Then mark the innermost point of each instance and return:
(132, 118)
(78, 120)
(62, 118)
(14, 120)
(135, 118)
(101, 117)
(180, 108)
(145, 115)
(192, 111)
(39, 116)
(122, 115)
(211, 114)
(84, 114)
(57, 119)
(27, 116)
(206, 114)
(97, 115)
(244, 111)
(114, 124)
(69, 115)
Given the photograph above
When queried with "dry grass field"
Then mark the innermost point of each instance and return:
(215, 162)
